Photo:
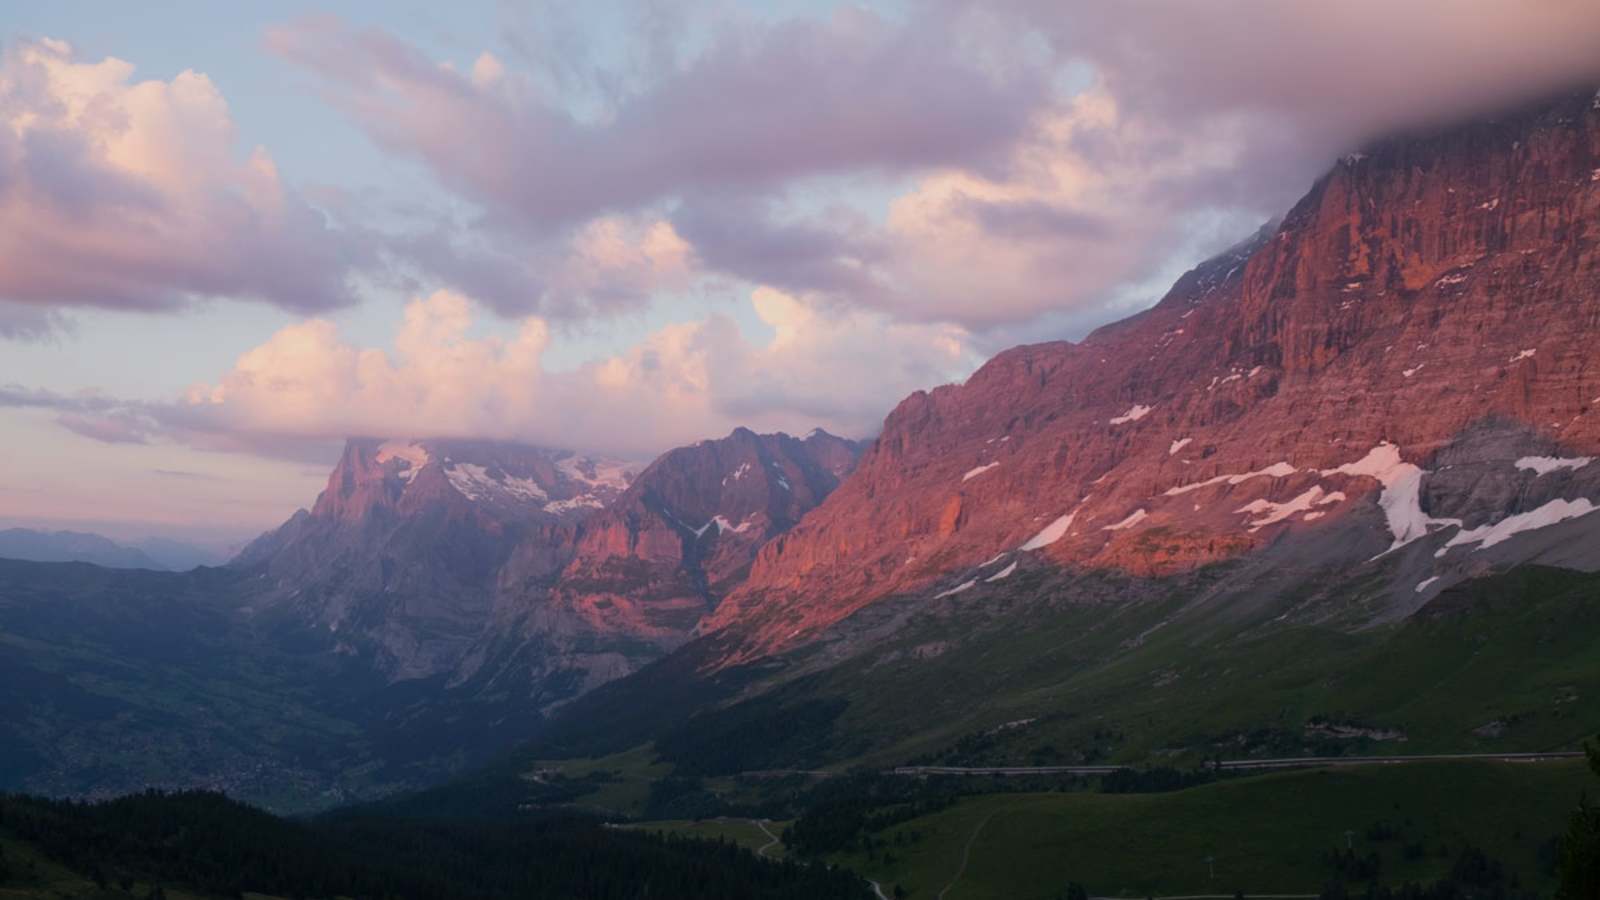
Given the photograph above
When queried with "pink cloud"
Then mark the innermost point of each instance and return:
(756, 107)
(308, 387)
(1042, 201)
(123, 193)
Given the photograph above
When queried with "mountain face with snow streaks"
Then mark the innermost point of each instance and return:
(1400, 375)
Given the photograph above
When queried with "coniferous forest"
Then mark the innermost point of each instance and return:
(208, 843)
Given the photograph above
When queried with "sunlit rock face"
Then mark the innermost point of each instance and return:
(1405, 368)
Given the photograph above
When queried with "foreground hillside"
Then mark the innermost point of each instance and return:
(1490, 828)
(1505, 663)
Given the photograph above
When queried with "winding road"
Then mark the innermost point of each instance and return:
(762, 824)
(1287, 762)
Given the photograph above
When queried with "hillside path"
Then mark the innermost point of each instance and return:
(762, 824)
(966, 854)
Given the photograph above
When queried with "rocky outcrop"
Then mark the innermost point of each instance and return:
(399, 558)
(499, 567)
(645, 571)
(1330, 376)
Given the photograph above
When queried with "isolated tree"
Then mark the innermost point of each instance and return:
(1580, 846)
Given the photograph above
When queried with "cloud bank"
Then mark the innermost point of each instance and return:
(129, 194)
(1044, 155)
(307, 386)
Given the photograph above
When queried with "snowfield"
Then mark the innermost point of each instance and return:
(1134, 414)
(1051, 533)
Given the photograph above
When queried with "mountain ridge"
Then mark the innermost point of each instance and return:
(1257, 385)
(74, 546)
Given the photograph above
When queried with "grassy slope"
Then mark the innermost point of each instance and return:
(1267, 834)
(634, 769)
(1524, 653)
(1522, 648)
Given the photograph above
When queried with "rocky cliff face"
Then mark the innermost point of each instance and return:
(1402, 375)
(398, 558)
(506, 565)
(646, 569)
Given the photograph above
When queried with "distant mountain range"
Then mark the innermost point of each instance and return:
(78, 546)
(1335, 489)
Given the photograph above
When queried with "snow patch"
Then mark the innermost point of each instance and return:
(582, 501)
(1003, 573)
(1544, 465)
(1133, 519)
(1413, 370)
(963, 586)
(1178, 445)
(1401, 499)
(606, 473)
(1276, 470)
(1526, 354)
(524, 488)
(474, 482)
(1051, 533)
(1426, 583)
(1551, 513)
(737, 474)
(1272, 513)
(723, 526)
(410, 451)
(997, 557)
(1134, 414)
(974, 473)
(414, 455)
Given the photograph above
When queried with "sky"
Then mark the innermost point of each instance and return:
(232, 235)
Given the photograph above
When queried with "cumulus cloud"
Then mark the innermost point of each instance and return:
(612, 264)
(1087, 204)
(308, 386)
(130, 194)
(759, 105)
